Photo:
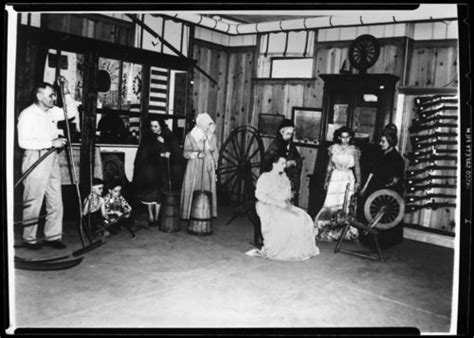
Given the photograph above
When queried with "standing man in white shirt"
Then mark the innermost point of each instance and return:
(37, 133)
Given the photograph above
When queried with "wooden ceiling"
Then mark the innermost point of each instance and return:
(257, 18)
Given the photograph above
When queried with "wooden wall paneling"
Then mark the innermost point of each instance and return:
(250, 73)
(196, 78)
(204, 83)
(313, 94)
(244, 90)
(294, 95)
(309, 158)
(229, 109)
(321, 61)
(446, 68)
(214, 72)
(278, 99)
(200, 81)
(237, 93)
(253, 118)
(221, 95)
(267, 99)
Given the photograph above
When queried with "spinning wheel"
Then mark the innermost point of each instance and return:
(383, 210)
(239, 164)
(364, 52)
(390, 203)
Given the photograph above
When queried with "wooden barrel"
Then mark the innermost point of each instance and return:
(169, 212)
(200, 221)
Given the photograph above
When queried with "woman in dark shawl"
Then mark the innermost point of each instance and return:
(151, 172)
(283, 146)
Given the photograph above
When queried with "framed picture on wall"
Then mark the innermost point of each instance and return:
(268, 124)
(308, 125)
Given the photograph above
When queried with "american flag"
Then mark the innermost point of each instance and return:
(159, 79)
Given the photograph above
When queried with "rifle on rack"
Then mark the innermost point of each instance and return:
(436, 135)
(414, 172)
(430, 112)
(424, 145)
(429, 186)
(417, 129)
(429, 178)
(414, 155)
(433, 158)
(423, 121)
(432, 205)
(427, 196)
(423, 102)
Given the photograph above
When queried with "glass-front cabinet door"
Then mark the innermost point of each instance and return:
(363, 102)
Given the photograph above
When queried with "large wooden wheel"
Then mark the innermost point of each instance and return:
(388, 202)
(240, 162)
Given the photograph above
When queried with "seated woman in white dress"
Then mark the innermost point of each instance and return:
(288, 232)
(343, 163)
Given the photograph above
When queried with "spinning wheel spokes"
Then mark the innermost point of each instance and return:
(364, 52)
(240, 162)
(390, 203)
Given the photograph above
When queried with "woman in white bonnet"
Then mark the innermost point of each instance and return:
(200, 149)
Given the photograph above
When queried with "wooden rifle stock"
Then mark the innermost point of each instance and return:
(434, 158)
(417, 129)
(429, 186)
(432, 205)
(410, 199)
(430, 112)
(423, 121)
(423, 103)
(419, 153)
(436, 135)
(412, 181)
(424, 145)
(414, 172)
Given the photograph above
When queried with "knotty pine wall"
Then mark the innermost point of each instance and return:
(240, 97)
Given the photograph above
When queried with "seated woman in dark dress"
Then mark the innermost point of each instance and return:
(388, 173)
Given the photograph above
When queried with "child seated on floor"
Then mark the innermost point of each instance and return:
(116, 207)
(94, 209)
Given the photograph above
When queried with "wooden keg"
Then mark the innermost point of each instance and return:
(169, 213)
(200, 221)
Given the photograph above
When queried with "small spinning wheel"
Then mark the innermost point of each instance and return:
(383, 209)
(387, 202)
(240, 161)
(364, 52)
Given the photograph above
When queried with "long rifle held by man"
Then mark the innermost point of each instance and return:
(410, 199)
(432, 205)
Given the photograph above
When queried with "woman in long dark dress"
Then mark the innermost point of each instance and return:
(388, 173)
(151, 174)
(283, 146)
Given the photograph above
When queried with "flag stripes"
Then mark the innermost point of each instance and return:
(159, 79)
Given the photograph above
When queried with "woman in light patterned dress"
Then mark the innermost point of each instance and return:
(343, 171)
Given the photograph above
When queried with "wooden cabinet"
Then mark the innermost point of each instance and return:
(364, 102)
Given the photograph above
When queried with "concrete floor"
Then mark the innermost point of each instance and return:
(162, 280)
